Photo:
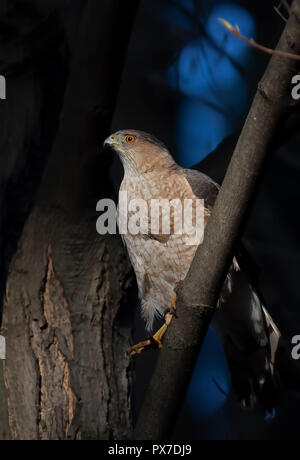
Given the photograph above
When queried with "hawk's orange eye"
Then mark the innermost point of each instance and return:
(129, 139)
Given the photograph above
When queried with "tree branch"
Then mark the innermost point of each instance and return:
(235, 31)
(198, 294)
(276, 8)
(285, 5)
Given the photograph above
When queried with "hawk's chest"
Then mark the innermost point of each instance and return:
(152, 249)
(156, 186)
(156, 194)
(137, 188)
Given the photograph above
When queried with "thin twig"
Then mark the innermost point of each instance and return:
(284, 4)
(236, 33)
(221, 390)
(276, 8)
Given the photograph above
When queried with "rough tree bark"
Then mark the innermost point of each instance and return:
(28, 118)
(198, 294)
(66, 371)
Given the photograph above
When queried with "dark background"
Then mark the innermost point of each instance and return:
(189, 83)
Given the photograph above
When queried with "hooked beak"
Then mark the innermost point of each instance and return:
(110, 141)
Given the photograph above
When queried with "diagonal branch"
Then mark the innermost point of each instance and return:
(198, 294)
(285, 5)
(235, 31)
(277, 9)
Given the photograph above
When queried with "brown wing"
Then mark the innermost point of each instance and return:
(203, 187)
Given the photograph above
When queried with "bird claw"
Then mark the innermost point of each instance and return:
(145, 345)
(171, 311)
(154, 341)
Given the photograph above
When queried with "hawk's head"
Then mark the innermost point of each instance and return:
(139, 152)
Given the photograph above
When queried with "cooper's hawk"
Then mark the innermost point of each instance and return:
(161, 260)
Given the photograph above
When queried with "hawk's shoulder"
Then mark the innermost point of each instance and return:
(202, 186)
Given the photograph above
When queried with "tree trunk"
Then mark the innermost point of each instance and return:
(66, 372)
